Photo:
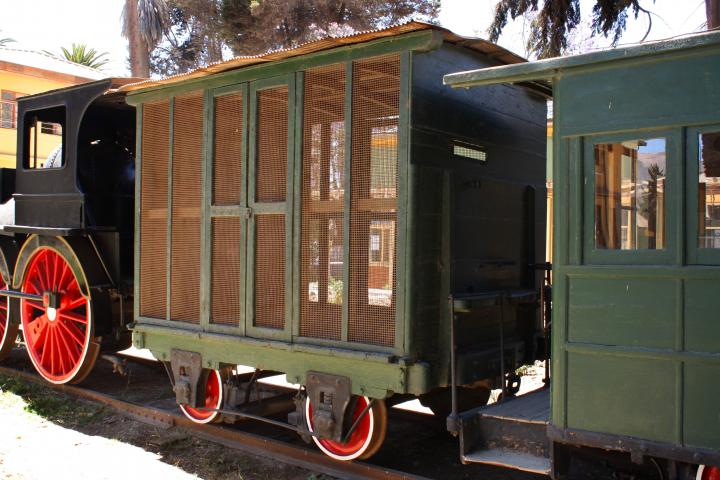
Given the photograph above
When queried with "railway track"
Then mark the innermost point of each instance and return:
(143, 395)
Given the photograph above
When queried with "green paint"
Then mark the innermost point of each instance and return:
(138, 204)
(418, 361)
(373, 374)
(635, 333)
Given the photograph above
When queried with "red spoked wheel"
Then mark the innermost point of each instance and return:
(8, 331)
(706, 472)
(365, 440)
(58, 334)
(213, 400)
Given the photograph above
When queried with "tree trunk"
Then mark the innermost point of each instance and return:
(139, 54)
(712, 10)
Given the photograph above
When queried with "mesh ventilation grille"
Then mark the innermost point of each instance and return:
(270, 271)
(323, 176)
(226, 283)
(186, 198)
(272, 136)
(153, 209)
(376, 108)
(227, 162)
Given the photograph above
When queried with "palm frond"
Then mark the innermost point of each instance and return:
(82, 55)
(153, 20)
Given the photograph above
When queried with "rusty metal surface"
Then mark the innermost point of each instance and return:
(186, 201)
(154, 209)
(226, 278)
(500, 54)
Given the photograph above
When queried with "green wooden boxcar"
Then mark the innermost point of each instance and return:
(311, 210)
(636, 175)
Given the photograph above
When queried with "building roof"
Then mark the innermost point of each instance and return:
(502, 55)
(13, 59)
(547, 69)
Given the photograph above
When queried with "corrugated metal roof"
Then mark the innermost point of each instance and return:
(45, 61)
(502, 55)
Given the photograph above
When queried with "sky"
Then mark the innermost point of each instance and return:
(49, 24)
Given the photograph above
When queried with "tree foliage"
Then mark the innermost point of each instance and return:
(79, 53)
(144, 23)
(557, 18)
(201, 30)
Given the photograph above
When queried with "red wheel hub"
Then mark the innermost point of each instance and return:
(709, 473)
(58, 338)
(213, 400)
(359, 440)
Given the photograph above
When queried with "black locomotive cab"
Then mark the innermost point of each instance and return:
(66, 228)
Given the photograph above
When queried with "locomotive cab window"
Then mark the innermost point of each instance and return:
(44, 138)
(708, 190)
(630, 186)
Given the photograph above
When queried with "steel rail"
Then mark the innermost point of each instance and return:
(248, 442)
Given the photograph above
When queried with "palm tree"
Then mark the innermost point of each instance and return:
(81, 54)
(143, 23)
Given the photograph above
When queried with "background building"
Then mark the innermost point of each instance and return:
(25, 72)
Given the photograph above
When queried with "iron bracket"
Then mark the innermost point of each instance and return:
(187, 370)
(329, 396)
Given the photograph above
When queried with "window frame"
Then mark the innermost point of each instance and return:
(14, 105)
(25, 164)
(695, 254)
(673, 201)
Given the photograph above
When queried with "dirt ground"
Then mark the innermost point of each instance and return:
(45, 434)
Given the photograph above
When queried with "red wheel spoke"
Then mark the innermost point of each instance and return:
(75, 303)
(74, 317)
(35, 305)
(57, 347)
(53, 352)
(55, 267)
(74, 332)
(65, 279)
(44, 346)
(48, 282)
(33, 287)
(70, 348)
(40, 324)
(58, 350)
(39, 286)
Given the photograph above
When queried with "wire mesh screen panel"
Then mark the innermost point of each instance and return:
(323, 175)
(225, 287)
(186, 198)
(227, 159)
(272, 146)
(153, 209)
(373, 213)
(270, 271)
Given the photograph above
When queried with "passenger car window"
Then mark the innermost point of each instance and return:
(709, 190)
(630, 194)
(44, 138)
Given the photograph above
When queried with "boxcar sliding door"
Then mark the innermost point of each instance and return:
(269, 209)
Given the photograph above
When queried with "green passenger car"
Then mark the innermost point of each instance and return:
(636, 261)
(310, 211)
